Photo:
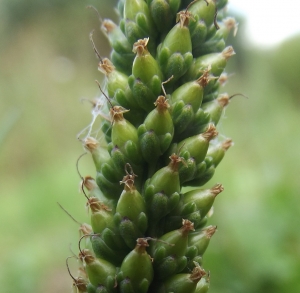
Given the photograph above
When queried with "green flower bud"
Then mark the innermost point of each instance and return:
(158, 206)
(117, 39)
(204, 10)
(215, 108)
(157, 131)
(191, 92)
(137, 269)
(182, 283)
(124, 135)
(115, 80)
(101, 216)
(144, 66)
(122, 62)
(213, 93)
(128, 230)
(100, 272)
(200, 200)
(110, 189)
(139, 23)
(226, 26)
(168, 252)
(200, 239)
(172, 243)
(188, 170)
(99, 153)
(218, 151)
(202, 177)
(131, 204)
(217, 61)
(104, 251)
(146, 78)
(175, 52)
(165, 180)
(163, 13)
(198, 31)
(186, 101)
(197, 145)
(196, 126)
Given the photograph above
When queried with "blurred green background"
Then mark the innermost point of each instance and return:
(47, 65)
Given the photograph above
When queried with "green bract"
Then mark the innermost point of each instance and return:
(154, 147)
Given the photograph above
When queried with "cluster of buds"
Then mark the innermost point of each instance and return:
(160, 107)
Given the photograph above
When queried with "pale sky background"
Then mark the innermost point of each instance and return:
(269, 21)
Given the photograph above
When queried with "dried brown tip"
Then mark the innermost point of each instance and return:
(81, 284)
(94, 46)
(117, 112)
(197, 273)
(204, 79)
(108, 26)
(226, 144)
(85, 229)
(175, 160)
(128, 179)
(187, 226)
(218, 188)
(210, 231)
(90, 144)
(86, 255)
(140, 47)
(223, 78)
(183, 17)
(96, 205)
(141, 245)
(106, 66)
(142, 242)
(90, 183)
(228, 52)
(223, 100)
(210, 133)
(230, 24)
(161, 104)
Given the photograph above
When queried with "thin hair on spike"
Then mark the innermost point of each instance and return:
(94, 47)
(97, 12)
(68, 214)
(67, 264)
(107, 98)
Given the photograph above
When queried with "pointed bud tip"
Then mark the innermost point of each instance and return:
(223, 99)
(89, 182)
(210, 231)
(218, 188)
(90, 144)
(210, 133)
(226, 144)
(228, 52)
(108, 26)
(197, 273)
(106, 66)
(140, 47)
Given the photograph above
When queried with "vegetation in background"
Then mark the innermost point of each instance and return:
(47, 65)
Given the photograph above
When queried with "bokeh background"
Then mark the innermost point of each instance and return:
(47, 66)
